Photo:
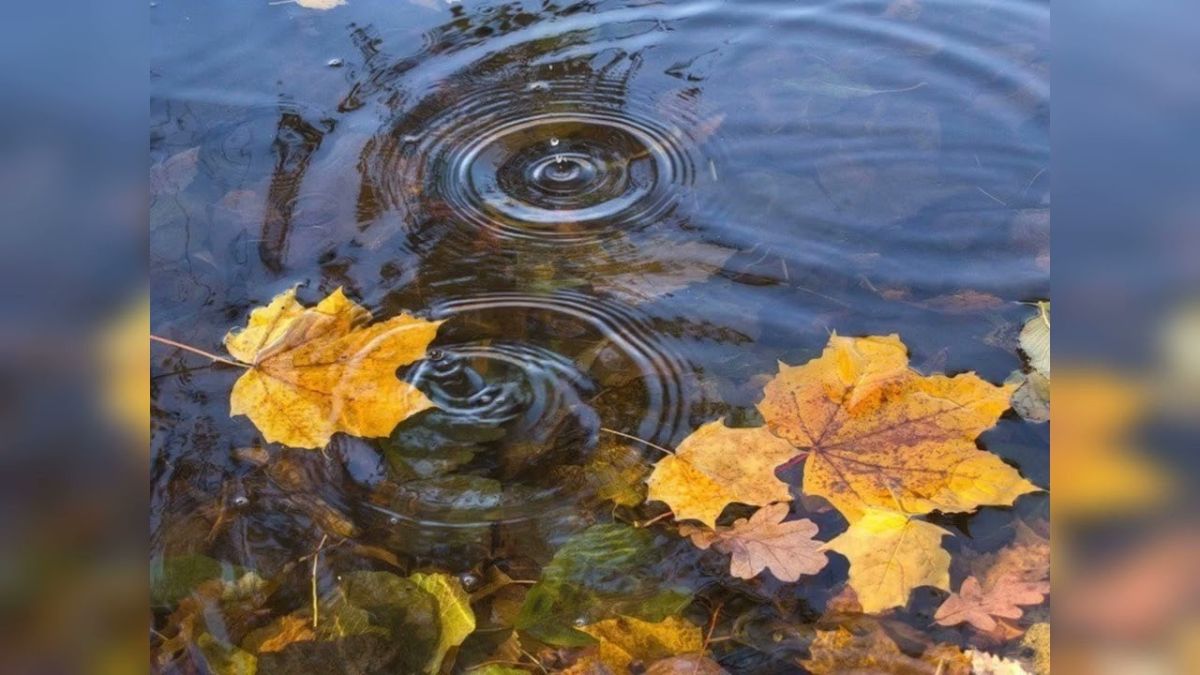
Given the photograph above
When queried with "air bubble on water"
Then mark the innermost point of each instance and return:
(469, 581)
(335, 63)
(393, 521)
(410, 138)
(241, 501)
(580, 621)
(538, 86)
(553, 141)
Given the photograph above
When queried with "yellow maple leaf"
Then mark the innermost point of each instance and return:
(322, 370)
(624, 640)
(717, 465)
(890, 554)
(455, 616)
(880, 435)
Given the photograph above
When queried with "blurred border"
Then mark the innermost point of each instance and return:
(73, 454)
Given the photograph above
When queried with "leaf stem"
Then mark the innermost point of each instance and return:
(635, 438)
(194, 350)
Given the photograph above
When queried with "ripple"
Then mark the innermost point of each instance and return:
(575, 158)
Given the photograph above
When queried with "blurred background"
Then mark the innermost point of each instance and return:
(74, 356)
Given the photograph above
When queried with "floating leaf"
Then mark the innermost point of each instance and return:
(624, 640)
(175, 173)
(765, 541)
(980, 606)
(455, 617)
(1035, 340)
(715, 466)
(983, 663)
(881, 436)
(890, 554)
(603, 571)
(1031, 399)
(322, 370)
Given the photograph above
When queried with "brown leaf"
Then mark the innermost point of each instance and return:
(765, 541)
(981, 606)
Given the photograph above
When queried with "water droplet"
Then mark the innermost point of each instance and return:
(580, 621)
(436, 355)
(241, 501)
(393, 521)
(468, 580)
(335, 63)
(553, 142)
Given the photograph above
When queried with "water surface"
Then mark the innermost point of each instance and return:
(628, 211)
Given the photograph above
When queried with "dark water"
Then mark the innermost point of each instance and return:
(627, 211)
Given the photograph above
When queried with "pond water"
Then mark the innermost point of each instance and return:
(626, 211)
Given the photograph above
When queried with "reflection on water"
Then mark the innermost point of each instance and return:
(627, 210)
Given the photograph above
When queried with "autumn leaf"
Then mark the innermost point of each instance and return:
(125, 354)
(983, 663)
(624, 640)
(870, 650)
(879, 435)
(980, 606)
(455, 617)
(1035, 340)
(765, 541)
(890, 554)
(1037, 639)
(322, 370)
(717, 465)
(279, 634)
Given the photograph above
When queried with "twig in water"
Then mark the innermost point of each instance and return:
(635, 438)
(655, 519)
(316, 559)
(201, 352)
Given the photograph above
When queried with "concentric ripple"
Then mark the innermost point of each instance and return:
(517, 423)
(573, 159)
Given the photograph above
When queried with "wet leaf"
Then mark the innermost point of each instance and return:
(717, 465)
(1037, 639)
(603, 571)
(616, 472)
(1035, 340)
(323, 370)
(890, 554)
(879, 435)
(497, 669)
(624, 640)
(870, 650)
(280, 633)
(224, 659)
(1031, 399)
(980, 606)
(455, 618)
(173, 579)
(124, 352)
(983, 663)
(765, 541)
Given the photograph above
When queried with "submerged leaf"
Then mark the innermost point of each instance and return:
(624, 640)
(322, 370)
(717, 465)
(879, 435)
(603, 571)
(765, 541)
(692, 664)
(870, 650)
(890, 554)
(455, 617)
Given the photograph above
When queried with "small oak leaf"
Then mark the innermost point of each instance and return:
(980, 606)
(717, 465)
(890, 554)
(879, 435)
(765, 541)
(321, 370)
